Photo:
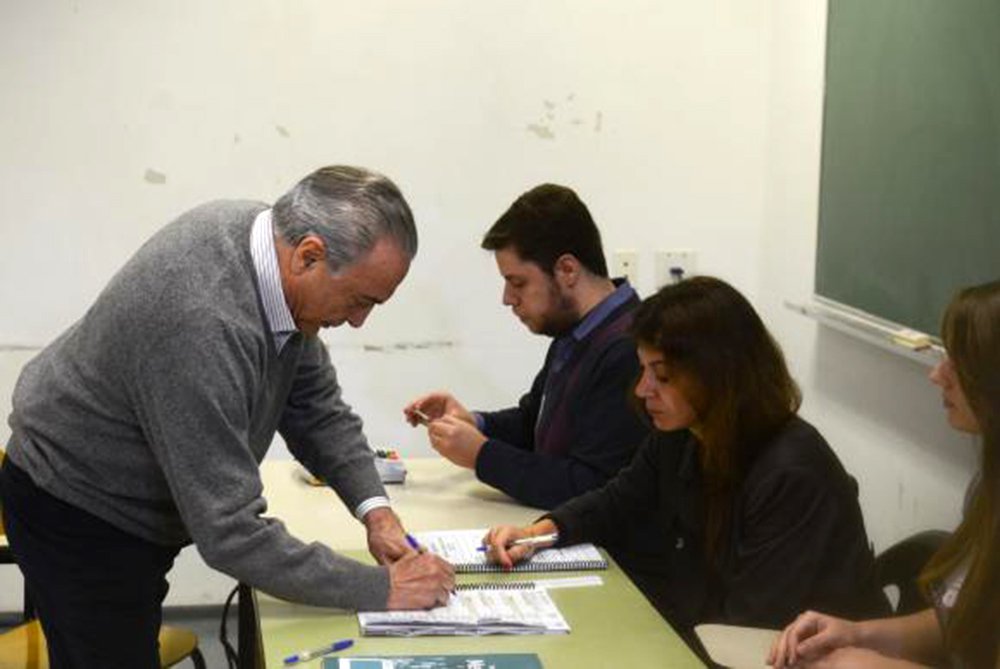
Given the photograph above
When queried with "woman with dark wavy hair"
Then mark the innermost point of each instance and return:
(755, 515)
(962, 581)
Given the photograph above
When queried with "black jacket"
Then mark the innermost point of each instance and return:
(796, 539)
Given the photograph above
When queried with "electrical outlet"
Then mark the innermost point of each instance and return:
(626, 264)
(674, 265)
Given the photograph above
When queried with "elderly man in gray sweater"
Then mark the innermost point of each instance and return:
(141, 428)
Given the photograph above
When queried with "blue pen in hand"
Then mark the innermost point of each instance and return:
(306, 655)
(414, 544)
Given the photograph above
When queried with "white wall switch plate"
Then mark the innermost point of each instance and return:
(626, 263)
(674, 265)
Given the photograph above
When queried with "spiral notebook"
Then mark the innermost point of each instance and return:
(473, 612)
(459, 547)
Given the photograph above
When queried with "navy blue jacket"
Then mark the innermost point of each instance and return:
(589, 430)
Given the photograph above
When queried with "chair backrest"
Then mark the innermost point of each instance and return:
(7, 557)
(901, 564)
(3, 454)
(24, 647)
(251, 645)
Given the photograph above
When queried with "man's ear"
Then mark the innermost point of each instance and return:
(567, 270)
(310, 250)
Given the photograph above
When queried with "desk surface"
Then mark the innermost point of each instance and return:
(612, 625)
(436, 496)
(737, 647)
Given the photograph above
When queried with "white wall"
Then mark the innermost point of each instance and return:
(878, 410)
(681, 125)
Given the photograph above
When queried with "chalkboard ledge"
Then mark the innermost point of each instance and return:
(893, 337)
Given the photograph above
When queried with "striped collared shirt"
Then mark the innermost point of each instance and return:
(265, 262)
(279, 317)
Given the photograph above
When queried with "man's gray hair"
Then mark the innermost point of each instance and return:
(350, 208)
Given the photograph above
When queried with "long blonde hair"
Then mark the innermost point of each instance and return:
(971, 334)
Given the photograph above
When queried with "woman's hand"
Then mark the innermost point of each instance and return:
(499, 540)
(856, 658)
(811, 636)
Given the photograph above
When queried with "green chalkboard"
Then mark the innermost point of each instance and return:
(910, 186)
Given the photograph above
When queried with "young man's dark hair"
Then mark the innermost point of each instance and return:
(543, 224)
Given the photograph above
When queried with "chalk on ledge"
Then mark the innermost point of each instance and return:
(911, 339)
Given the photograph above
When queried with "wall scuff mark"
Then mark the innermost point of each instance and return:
(407, 346)
(153, 177)
(541, 131)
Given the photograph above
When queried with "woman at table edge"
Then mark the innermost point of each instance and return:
(962, 580)
(759, 517)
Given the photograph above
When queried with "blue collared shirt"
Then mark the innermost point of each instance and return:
(564, 345)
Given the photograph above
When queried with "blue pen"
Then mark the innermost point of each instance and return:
(415, 545)
(306, 655)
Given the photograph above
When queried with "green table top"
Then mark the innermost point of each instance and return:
(612, 626)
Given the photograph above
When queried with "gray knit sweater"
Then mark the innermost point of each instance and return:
(154, 410)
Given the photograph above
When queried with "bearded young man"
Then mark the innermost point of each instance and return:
(575, 427)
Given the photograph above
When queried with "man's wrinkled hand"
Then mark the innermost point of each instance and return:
(386, 536)
(420, 581)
